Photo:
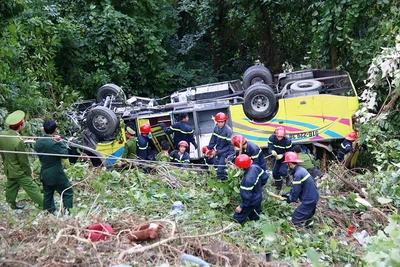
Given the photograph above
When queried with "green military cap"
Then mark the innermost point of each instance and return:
(16, 118)
(130, 130)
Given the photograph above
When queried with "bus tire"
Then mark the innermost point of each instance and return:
(259, 102)
(256, 74)
(110, 89)
(305, 86)
(102, 122)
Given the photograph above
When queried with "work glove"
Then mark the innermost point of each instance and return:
(273, 153)
(162, 125)
(279, 156)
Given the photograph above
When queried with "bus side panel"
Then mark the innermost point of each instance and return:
(306, 119)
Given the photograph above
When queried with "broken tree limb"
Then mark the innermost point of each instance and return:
(368, 205)
(350, 184)
(275, 196)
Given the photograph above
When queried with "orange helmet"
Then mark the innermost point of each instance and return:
(145, 129)
(280, 131)
(183, 143)
(221, 116)
(351, 136)
(238, 140)
(243, 161)
(292, 157)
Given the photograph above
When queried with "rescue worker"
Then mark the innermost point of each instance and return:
(143, 150)
(142, 147)
(180, 155)
(308, 162)
(250, 190)
(52, 172)
(221, 142)
(182, 131)
(164, 153)
(16, 165)
(278, 145)
(129, 146)
(346, 146)
(304, 188)
(254, 152)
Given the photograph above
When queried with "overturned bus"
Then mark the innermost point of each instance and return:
(316, 108)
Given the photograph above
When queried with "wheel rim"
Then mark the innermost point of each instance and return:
(260, 103)
(257, 80)
(100, 123)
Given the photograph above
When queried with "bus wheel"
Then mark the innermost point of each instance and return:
(259, 102)
(102, 122)
(306, 86)
(256, 74)
(111, 89)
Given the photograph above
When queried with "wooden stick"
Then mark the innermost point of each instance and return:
(350, 184)
(275, 196)
(368, 205)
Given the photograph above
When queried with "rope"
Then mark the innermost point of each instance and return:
(107, 156)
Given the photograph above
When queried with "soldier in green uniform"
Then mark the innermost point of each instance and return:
(164, 153)
(16, 165)
(130, 145)
(52, 171)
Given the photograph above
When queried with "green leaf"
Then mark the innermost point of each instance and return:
(384, 200)
(214, 205)
(268, 229)
(313, 256)
(333, 244)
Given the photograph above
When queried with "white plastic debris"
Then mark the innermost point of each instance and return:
(362, 237)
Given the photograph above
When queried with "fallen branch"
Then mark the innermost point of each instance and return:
(17, 262)
(140, 249)
(368, 205)
(350, 184)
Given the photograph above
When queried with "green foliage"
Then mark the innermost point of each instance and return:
(384, 248)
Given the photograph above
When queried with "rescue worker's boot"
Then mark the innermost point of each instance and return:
(309, 224)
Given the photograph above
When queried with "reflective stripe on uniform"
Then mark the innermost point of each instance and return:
(222, 137)
(179, 130)
(251, 188)
(143, 148)
(302, 180)
(256, 156)
(281, 147)
(344, 147)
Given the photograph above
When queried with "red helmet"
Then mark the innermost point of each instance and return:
(221, 116)
(243, 161)
(280, 131)
(292, 157)
(238, 140)
(95, 232)
(351, 136)
(145, 129)
(183, 143)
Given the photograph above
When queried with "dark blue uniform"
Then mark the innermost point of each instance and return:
(142, 148)
(256, 154)
(182, 132)
(221, 142)
(304, 188)
(251, 194)
(346, 147)
(183, 159)
(280, 169)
